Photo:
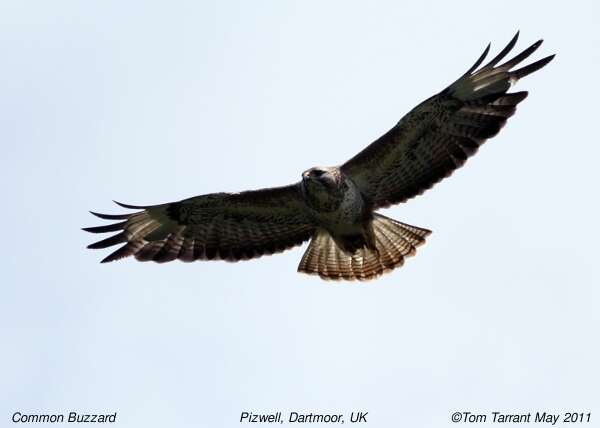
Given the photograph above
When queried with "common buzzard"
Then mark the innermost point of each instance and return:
(335, 207)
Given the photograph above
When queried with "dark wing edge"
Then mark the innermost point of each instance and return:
(220, 226)
(440, 134)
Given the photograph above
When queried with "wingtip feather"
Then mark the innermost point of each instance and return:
(132, 207)
(511, 44)
(104, 229)
(110, 216)
(479, 60)
(521, 56)
(108, 242)
(528, 69)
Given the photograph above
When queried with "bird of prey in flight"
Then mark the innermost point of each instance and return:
(334, 207)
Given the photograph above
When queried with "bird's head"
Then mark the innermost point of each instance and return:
(323, 187)
(327, 177)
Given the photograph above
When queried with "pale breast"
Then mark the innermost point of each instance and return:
(348, 215)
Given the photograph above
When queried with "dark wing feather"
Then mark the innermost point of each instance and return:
(228, 226)
(438, 135)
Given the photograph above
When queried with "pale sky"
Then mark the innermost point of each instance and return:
(151, 102)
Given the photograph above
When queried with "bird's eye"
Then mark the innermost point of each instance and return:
(318, 172)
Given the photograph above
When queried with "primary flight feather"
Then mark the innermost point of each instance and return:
(335, 207)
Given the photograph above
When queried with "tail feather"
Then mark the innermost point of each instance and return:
(394, 241)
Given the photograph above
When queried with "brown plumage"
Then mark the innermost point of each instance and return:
(335, 206)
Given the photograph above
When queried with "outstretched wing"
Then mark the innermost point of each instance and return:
(438, 135)
(228, 226)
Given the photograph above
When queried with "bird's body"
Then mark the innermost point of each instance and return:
(334, 201)
(335, 207)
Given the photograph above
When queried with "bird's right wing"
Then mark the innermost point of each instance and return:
(438, 135)
(227, 226)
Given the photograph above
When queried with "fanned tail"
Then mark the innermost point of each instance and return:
(394, 241)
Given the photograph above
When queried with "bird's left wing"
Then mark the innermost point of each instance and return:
(228, 226)
(438, 135)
